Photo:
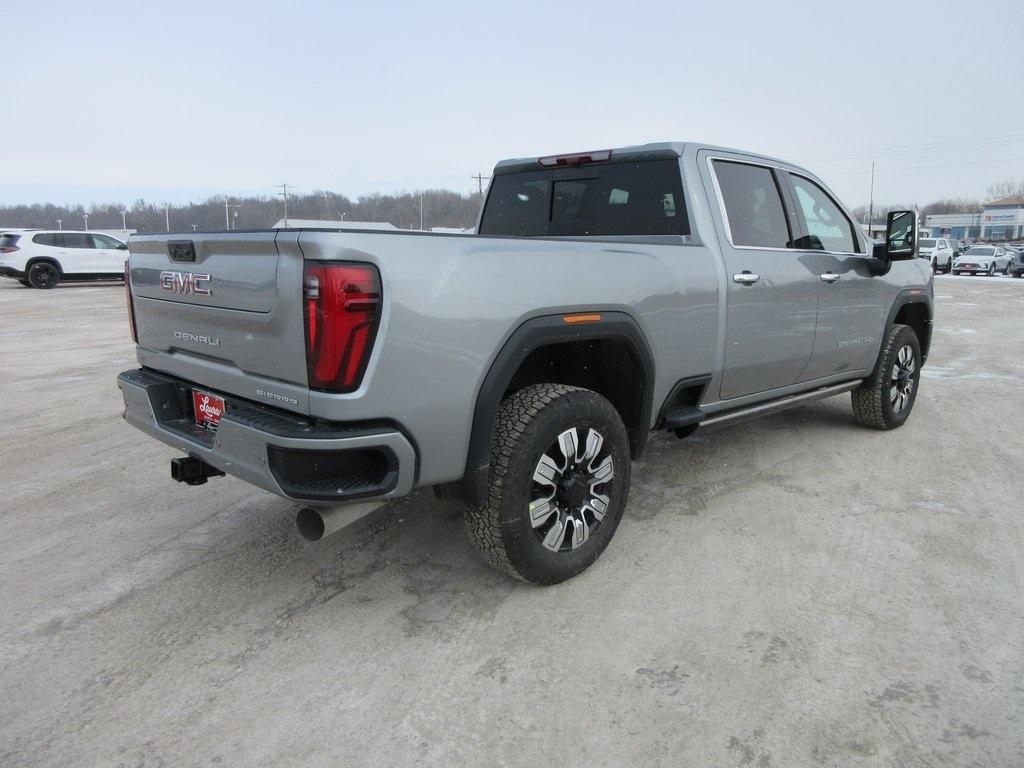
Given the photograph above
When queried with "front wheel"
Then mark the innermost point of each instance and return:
(991, 269)
(558, 483)
(885, 399)
(43, 275)
(956, 272)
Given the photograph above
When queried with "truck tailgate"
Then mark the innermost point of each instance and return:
(223, 310)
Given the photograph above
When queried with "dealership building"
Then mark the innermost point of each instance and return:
(1000, 220)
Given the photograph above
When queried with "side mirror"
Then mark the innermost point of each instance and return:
(122, 247)
(901, 235)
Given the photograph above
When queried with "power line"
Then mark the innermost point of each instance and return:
(938, 146)
(926, 167)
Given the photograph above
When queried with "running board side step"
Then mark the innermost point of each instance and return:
(774, 406)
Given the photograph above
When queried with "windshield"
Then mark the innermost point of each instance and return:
(976, 251)
(641, 198)
(927, 243)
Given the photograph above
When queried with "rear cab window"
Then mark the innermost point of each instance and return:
(643, 197)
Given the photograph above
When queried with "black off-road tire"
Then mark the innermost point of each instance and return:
(43, 275)
(26, 283)
(529, 421)
(872, 401)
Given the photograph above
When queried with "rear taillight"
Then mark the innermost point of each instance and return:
(131, 301)
(342, 310)
(9, 249)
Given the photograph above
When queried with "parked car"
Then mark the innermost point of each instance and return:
(939, 252)
(43, 258)
(1016, 268)
(521, 369)
(982, 259)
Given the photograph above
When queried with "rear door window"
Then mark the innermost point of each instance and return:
(77, 240)
(641, 198)
(753, 205)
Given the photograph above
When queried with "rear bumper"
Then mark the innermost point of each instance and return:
(11, 272)
(293, 457)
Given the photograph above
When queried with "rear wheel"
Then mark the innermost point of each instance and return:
(43, 275)
(559, 479)
(884, 400)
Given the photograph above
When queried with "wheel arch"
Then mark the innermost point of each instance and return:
(521, 362)
(43, 260)
(913, 308)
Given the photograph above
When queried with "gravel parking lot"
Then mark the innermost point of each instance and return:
(793, 591)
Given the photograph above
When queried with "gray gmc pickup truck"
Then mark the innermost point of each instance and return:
(519, 370)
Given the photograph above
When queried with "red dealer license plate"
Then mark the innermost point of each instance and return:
(209, 408)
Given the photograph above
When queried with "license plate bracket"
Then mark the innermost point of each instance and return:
(208, 409)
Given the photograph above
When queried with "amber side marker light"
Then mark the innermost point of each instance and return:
(573, 319)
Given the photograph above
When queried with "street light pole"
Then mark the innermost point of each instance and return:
(124, 221)
(86, 217)
(167, 216)
(60, 223)
(227, 213)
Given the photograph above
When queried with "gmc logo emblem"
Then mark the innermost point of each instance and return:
(187, 283)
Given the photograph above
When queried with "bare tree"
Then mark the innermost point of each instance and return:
(1001, 190)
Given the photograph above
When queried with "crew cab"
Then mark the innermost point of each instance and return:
(520, 369)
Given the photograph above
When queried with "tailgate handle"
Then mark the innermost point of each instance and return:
(181, 250)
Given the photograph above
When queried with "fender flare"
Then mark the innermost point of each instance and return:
(531, 335)
(903, 298)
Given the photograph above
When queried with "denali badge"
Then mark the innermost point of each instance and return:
(213, 341)
(188, 283)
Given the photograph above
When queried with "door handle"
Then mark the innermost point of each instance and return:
(746, 278)
(829, 277)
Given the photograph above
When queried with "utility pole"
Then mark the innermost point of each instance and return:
(167, 216)
(227, 213)
(480, 182)
(86, 217)
(871, 198)
(285, 195)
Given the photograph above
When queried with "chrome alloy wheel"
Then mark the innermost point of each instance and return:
(902, 383)
(567, 505)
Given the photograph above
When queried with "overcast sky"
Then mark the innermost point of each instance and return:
(179, 100)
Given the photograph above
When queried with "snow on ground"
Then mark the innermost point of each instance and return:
(983, 279)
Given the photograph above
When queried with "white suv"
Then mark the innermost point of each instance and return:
(42, 258)
(940, 251)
